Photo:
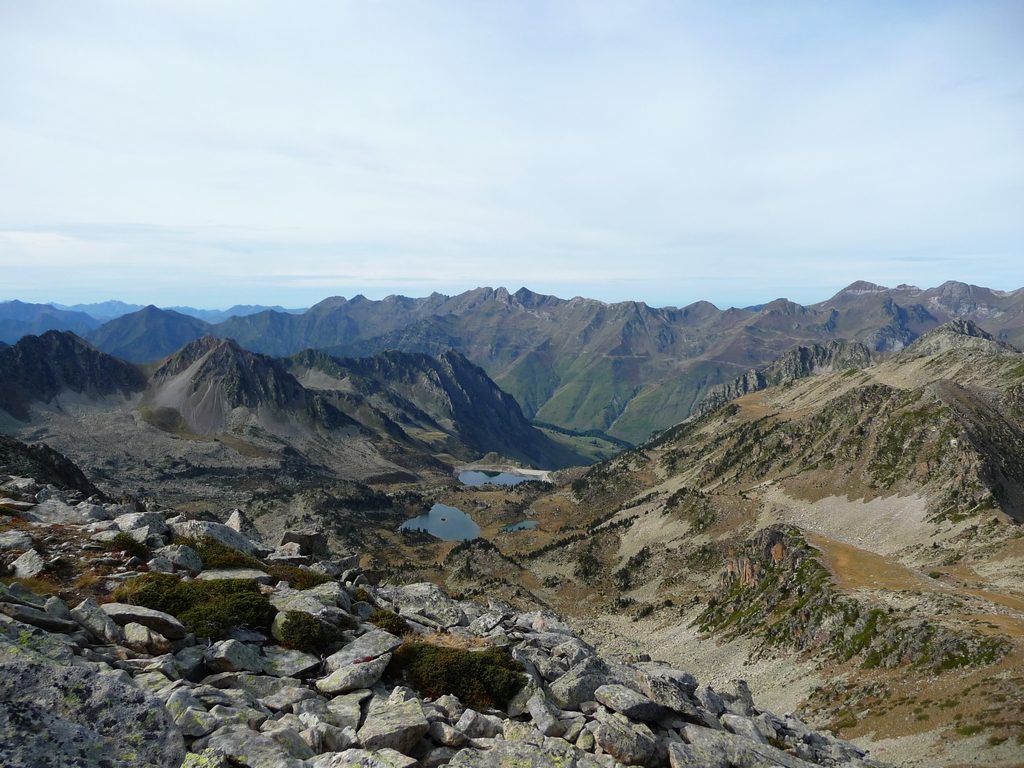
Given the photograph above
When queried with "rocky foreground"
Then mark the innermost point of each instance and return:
(242, 668)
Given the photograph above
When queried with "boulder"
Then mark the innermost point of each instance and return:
(364, 648)
(579, 684)
(18, 541)
(144, 640)
(628, 702)
(96, 622)
(158, 621)
(248, 748)
(361, 758)
(544, 716)
(428, 599)
(627, 742)
(521, 754)
(397, 726)
(29, 565)
(233, 656)
(53, 714)
(37, 618)
(708, 747)
(246, 574)
(354, 676)
(284, 662)
(182, 557)
(229, 537)
(309, 542)
(154, 521)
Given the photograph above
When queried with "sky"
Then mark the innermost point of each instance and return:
(214, 152)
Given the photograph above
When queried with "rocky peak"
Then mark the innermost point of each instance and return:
(958, 334)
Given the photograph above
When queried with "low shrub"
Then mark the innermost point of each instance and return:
(298, 578)
(122, 542)
(214, 554)
(361, 595)
(480, 679)
(206, 608)
(389, 622)
(305, 632)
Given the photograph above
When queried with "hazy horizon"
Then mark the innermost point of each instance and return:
(376, 296)
(211, 153)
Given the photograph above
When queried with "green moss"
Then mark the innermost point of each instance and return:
(305, 632)
(206, 608)
(298, 578)
(480, 679)
(217, 555)
(361, 595)
(390, 622)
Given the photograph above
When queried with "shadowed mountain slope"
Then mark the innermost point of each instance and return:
(38, 368)
(147, 335)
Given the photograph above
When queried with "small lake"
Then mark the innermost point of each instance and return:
(445, 522)
(523, 525)
(477, 477)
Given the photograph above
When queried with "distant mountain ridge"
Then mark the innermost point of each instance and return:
(624, 368)
(38, 368)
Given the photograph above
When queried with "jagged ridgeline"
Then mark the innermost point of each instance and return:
(133, 635)
(625, 369)
(855, 514)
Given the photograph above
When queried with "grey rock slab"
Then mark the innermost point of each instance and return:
(28, 565)
(57, 715)
(477, 725)
(158, 621)
(446, 735)
(37, 618)
(248, 748)
(629, 743)
(246, 574)
(96, 622)
(364, 648)
(521, 754)
(716, 747)
(354, 676)
(182, 557)
(199, 529)
(135, 520)
(544, 716)
(742, 726)
(428, 599)
(397, 726)
(18, 541)
(285, 662)
(233, 656)
(57, 512)
(144, 640)
(579, 684)
(361, 758)
(628, 702)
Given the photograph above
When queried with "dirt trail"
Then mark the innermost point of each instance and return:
(856, 568)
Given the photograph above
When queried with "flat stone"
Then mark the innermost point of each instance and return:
(628, 702)
(158, 621)
(233, 656)
(629, 743)
(248, 748)
(18, 541)
(135, 520)
(57, 715)
(722, 748)
(354, 676)
(247, 574)
(29, 565)
(428, 599)
(57, 512)
(37, 618)
(96, 622)
(521, 754)
(579, 684)
(544, 716)
(182, 557)
(397, 726)
(364, 648)
(285, 662)
(200, 529)
(144, 640)
(361, 758)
